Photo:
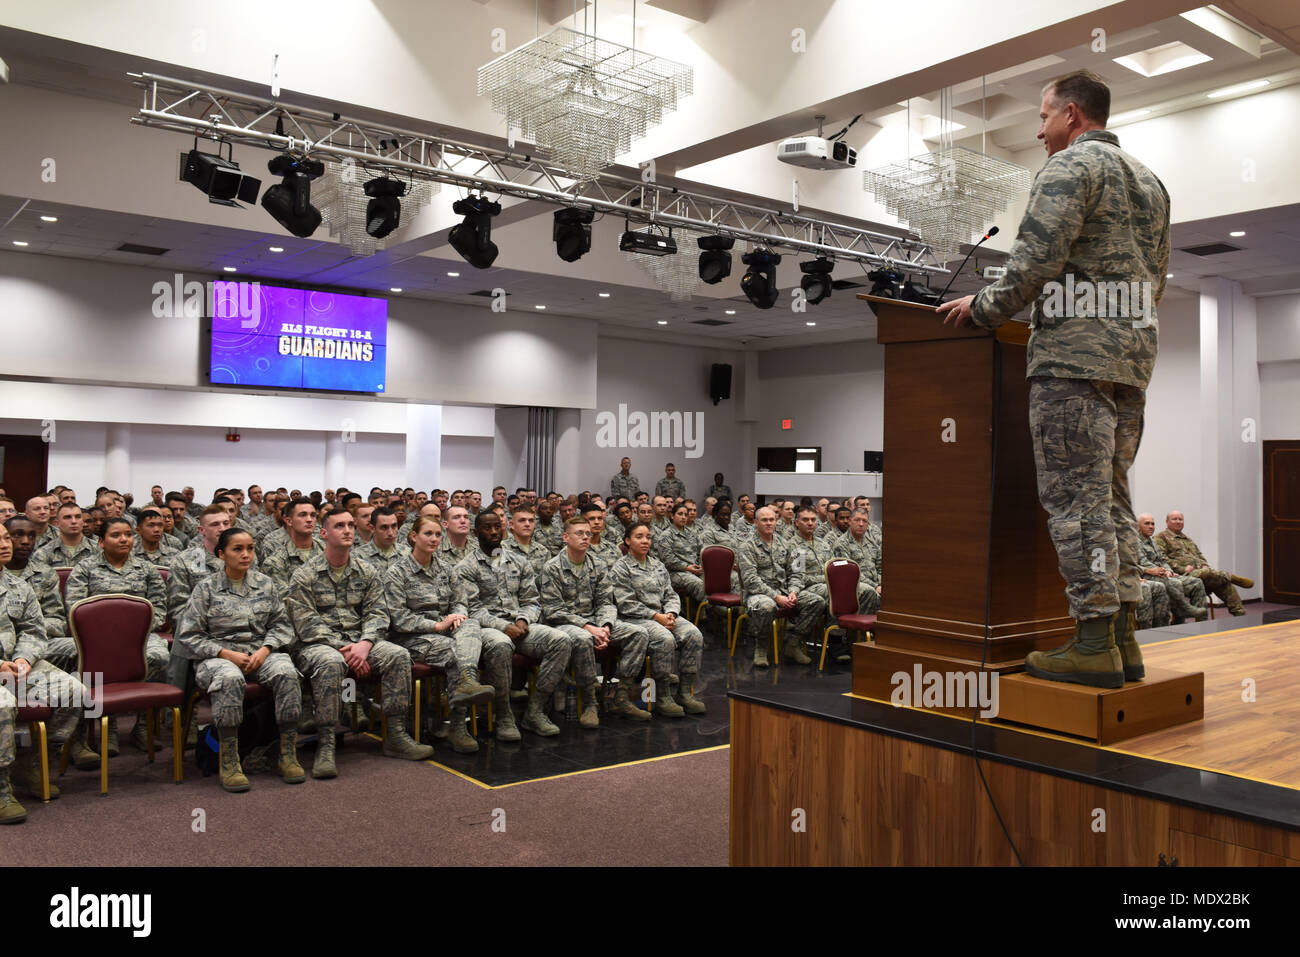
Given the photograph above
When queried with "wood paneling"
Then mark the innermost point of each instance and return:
(869, 798)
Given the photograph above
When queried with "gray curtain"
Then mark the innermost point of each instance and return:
(539, 449)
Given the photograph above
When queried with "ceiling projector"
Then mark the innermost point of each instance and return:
(815, 152)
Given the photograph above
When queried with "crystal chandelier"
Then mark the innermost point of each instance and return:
(581, 98)
(342, 204)
(678, 274)
(949, 196)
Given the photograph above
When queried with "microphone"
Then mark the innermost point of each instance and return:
(993, 231)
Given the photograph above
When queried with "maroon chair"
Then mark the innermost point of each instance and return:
(842, 585)
(718, 561)
(63, 572)
(110, 632)
(35, 717)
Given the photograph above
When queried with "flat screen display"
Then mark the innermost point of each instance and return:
(282, 338)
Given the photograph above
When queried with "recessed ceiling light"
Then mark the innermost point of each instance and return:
(1166, 58)
(603, 295)
(1239, 88)
(49, 219)
(1237, 232)
(453, 275)
(1169, 275)
(663, 322)
(810, 323)
(394, 288)
(276, 249)
(539, 307)
(731, 312)
(229, 268)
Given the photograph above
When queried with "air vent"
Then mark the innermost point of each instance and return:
(710, 322)
(1211, 249)
(485, 293)
(142, 250)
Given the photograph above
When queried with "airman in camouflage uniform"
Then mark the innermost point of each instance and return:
(338, 609)
(603, 549)
(22, 639)
(670, 486)
(56, 554)
(1095, 234)
(60, 649)
(644, 596)
(245, 617)
(160, 557)
(498, 589)
(679, 549)
(624, 484)
(1184, 593)
(859, 548)
(1181, 552)
(578, 600)
(770, 582)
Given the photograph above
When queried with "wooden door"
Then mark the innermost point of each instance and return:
(22, 467)
(1282, 522)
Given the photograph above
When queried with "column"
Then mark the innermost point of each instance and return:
(335, 459)
(117, 456)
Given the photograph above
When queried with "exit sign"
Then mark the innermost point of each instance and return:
(787, 424)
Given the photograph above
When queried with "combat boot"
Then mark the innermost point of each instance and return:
(1241, 581)
(664, 705)
(760, 654)
(139, 739)
(81, 757)
(1089, 658)
(11, 812)
(461, 740)
(535, 719)
(794, 651)
(232, 775)
(92, 736)
(623, 705)
(26, 774)
(686, 698)
(590, 717)
(1233, 600)
(506, 729)
(323, 766)
(1129, 650)
(469, 691)
(399, 744)
(291, 771)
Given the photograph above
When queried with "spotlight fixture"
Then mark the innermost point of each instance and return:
(888, 284)
(289, 201)
(473, 237)
(652, 244)
(914, 291)
(384, 211)
(816, 282)
(219, 178)
(759, 282)
(715, 260)
(572, 233)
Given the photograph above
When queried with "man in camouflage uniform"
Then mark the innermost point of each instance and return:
(679, 550)
(670, 486)
(523, 542)
(660, 506)
(603, 549)
(578, 600)
(770, 585)
(1184, 593)
(1185, 558)
(300, 544)
(150, 544)
(457, 542)
(184, 526)
(719, 489)
(70, 546)
(808, 557)
(115, 571)
(384, 548)
(549, 532)
(239, 631)
(644, 598)
(624, 483)
(26, 678)
(37, 511)
(60, 649)
(498, 589)
(855, 543)
(1096, 226)
(336, 603)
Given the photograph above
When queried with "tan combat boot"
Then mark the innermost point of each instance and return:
(623, 705)
(232, 775)
(399, 744)
(506, 729)
(469, 691)
(26, 774)
(794, 651)
(461, 740)
(1130, 652)
(686, 697)
(11, 812)
(1089, 658)
(291, 772)
(535, 719)
(664, 705)
(323, 766)
(590, 717)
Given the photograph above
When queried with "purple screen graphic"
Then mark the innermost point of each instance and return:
(297, 339)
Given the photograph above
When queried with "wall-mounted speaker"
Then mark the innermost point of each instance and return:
(720, 382)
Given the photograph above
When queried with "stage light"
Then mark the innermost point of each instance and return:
(914, 291)
(759, 282)
(472, 239)
(816, 282)
(571, 232)
(648, 243)
(715, 260)
(384, 211)
(289, 201)
(219, 178)
(887, 284)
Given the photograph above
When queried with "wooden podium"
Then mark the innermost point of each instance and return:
(956, 416)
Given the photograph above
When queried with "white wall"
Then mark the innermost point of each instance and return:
(1279, 390)
(648, 377)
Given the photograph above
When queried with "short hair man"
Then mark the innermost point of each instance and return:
(72, 546)
(670, 486)
(624, 482)
(770, 585)
(1185, 558)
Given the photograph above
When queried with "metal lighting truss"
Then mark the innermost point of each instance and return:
(213, 113)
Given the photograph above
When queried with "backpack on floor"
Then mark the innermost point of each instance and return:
(258, 729)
